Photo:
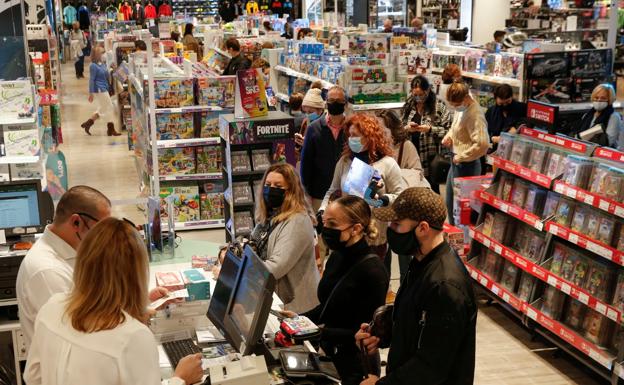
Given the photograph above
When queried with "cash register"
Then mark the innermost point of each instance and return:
(25, 210)
(239, 309)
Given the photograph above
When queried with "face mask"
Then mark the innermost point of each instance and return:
(336, 108)
(355, 144)
(403, 243)
(313, 116)
(273, 196)
(332, 238)
(599, 106)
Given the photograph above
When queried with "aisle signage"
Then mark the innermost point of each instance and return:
(542, 113)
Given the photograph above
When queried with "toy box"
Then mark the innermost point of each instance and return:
(175, 126)
(21, 142)
(551, 90)
(412, 62)
(583, 87)
(547, 65)
(590, 63)
(197, 284)
(173, 92)
(377, 93)
(208, 122)
(25, 171)
(172, 161)
(170, 280)
(552, 302)
(185, 202)
(208, 159)
(16, 98)
(218, 91)
(211, 201)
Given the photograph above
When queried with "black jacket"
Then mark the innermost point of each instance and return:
(355, 300)
(237, 63)
(319, 156)
(435, 316)
(497, 122)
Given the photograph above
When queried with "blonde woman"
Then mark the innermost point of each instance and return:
(99, 84)
(96, 334)
(285, 237)
(78, 42)
(603, 115)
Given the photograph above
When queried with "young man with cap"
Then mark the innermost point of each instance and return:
(435, 312)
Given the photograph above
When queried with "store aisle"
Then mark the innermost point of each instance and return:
(504, 349)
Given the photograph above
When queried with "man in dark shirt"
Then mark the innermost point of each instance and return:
(506, 115)
(238, 62)
(435, 312)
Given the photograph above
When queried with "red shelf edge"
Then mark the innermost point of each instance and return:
(598, 248)
(511, 209)
(551, 279)
(496, 288)
(560, 141)
(609, 154)
(592, 199)
(523, 172)
(571, 337)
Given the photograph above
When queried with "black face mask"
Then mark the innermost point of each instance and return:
(332, 238)
(273, 197)
(336, 108)
(403, 243)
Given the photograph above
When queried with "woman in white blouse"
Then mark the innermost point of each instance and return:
(96, 334)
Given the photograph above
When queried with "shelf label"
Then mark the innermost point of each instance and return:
(495, 289)
(552, 280)
(589, 199)
(571, 193)
(504, 207)
(483, 281)
(600, 250)
(573, 238)
(474, 275)
(583, 298)
(613, 314)
(559, 188)
(539, 225)
(506, 297)
(486, 242)
(498, 250)
(601, 308)
(619, 211)
(554, 229)
(603, 204)
(532, 314)
(566, 288)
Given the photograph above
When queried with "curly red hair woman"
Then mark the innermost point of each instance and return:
(369, 142)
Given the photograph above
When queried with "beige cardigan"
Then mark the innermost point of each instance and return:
(469, 134)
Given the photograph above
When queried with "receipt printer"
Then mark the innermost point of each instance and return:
(250, 370)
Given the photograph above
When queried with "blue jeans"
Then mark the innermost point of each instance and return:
(457, 171)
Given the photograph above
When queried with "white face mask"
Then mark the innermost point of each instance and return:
(599, 106)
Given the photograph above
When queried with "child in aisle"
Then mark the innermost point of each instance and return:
(99, 86)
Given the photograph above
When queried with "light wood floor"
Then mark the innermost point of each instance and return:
(505, 353)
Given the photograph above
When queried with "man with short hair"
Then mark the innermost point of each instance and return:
(387, 25)
(48, 267)
(435, 312)
(417, 23)
(237, 62)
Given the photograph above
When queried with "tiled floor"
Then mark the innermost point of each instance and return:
(505, 353)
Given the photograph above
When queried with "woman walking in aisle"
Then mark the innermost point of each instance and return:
(99, 84)
(78, 43)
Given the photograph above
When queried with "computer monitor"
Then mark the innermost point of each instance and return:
(251, 301)
(223, 292)
(24, 208)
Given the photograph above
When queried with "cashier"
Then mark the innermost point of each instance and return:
(603, 115)
(506, 114)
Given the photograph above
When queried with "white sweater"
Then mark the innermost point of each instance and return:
(469, 134)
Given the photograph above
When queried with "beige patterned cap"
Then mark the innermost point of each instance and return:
(416, 203)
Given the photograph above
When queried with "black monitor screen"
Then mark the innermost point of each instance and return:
(223, 289)
(19, 205)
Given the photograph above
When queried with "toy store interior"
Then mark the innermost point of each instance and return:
(360, 192)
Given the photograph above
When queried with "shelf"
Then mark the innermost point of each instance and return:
(496, 289)
(9, 121)
(609, 154)
(283, 97)
(377, 106)
(213, 175)
(584, 106)
(592, 199)
(571, 337)
(174, 110)
(547, 276)
(510, 209)
(560, 141)
(522, 172)
(18, 159)
(297, 74)
(8, 302)
(202, 224)
(584, 242)
(493, 79)
(176, 143)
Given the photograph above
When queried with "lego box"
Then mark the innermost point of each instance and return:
(170, 280)
(197, 284)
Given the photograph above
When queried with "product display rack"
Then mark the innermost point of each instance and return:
(589, 319)
(169, 162)
(439, 12)
(250, 146)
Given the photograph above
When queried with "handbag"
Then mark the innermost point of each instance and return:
(380, 327)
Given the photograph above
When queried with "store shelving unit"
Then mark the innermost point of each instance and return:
(439, 12)
(192, 187)
(535, 267)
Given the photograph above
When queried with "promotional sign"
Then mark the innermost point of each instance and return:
(56, 174)
(543, 114)
(251, 100)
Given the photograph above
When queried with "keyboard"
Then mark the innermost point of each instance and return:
(176, 350)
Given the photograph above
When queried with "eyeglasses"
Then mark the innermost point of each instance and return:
(94, 219)
(128, 221)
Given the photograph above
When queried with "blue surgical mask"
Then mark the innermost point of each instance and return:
(312, 116)
(355, 144)
(418, 99)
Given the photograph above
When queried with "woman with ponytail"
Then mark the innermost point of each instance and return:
(353, 286)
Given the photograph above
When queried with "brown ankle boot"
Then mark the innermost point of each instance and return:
(87, 125)
(111, 130)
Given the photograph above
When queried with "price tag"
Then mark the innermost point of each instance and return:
(612, 314)
(601, 308)
(495, 289)
(483, 281)
(619, 211)
(604, 205)
(553, 229)
(471, 233)
(559, 188)
(589, 200)
(583, 298)
(506, 297)
(498, 250)
(474, 275)
(532, 314)
(486, 242)
(539, 225)
(552, 280)
(573, 238)
(504, 207)
(600, 250)
(571, 193)
(566, 288)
